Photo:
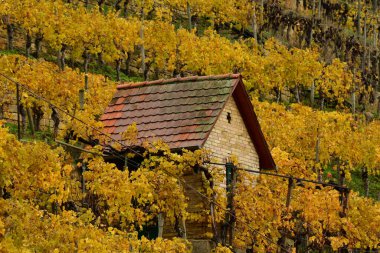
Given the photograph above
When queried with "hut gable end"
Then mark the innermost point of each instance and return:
(229, 137)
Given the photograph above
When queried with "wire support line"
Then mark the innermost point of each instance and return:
(284, 176)
(77, 148)
(121, 158)
(62, 143)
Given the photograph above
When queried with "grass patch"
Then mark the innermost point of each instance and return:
(44, 135)
(356, 183)
(12, 128)
(10, 52)
(110, 72)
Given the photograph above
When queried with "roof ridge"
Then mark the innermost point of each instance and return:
(178, 80)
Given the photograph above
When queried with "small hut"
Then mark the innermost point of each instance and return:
(212, 112)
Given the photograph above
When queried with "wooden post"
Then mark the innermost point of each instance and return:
(62, 55)
(125, 162)
(312, 26)
(18, 111)
(86, 81)
(312, 94)
(142, 47)
(317, 156)
(229, 172)
(81, 99)
(55, 118)
(23, 119)
(254, 23)
(232, 209)
(364, 70)
(37, 43)
(86, 56)
(28, 45)
(346, 194)
(212, 204)
(343, 191)
(118, 66)
(353, 97)
(30, 119)
(160, 218)
(125, 9)
(282, 240)
(365, 180)
(289, 195)
(188, 11)
(83, 180)
(10, 33)
(180, 222)
(358, 17)
(184, 236)
(229, 223)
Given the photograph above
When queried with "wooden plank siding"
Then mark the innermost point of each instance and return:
(197, 205)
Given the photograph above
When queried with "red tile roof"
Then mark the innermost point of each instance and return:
(180, 111)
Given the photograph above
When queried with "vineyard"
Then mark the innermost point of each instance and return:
(311, 69)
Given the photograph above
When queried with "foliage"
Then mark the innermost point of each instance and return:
(41, 183)
(42, 207)
(29, 229)
(39, 75)
(321, 138)
(269, 70)
(313, 211)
